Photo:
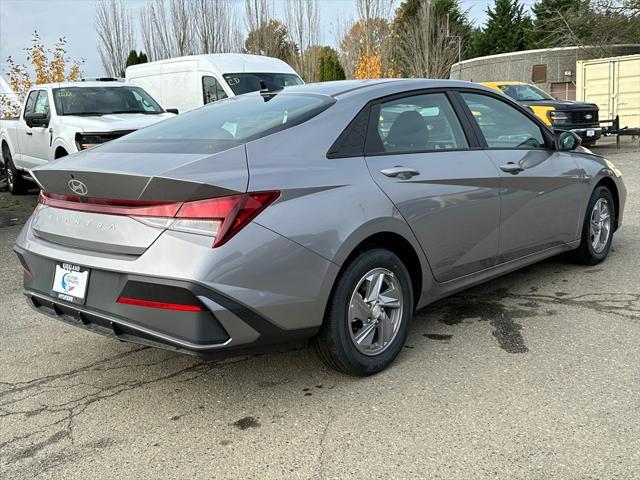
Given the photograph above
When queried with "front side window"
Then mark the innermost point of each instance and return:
(237, 119)
(250, 82)
(103, 101)
(212, 90)
(415, 124)
(42, 103)
(502, 125)
(31, 102)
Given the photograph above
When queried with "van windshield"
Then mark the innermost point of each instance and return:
(237, 119)
(250, 82)
(103, 101)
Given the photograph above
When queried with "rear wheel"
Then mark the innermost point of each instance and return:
(368, 315)
(16, 184)
(597, 229)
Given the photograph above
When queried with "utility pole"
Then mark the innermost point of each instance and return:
(458, 39)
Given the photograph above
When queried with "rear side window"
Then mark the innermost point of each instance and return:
(415, 124)
(250, 82)
(502, 125)
(212, 91)
(240, 118)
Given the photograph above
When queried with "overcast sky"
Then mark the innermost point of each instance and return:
(74, 19)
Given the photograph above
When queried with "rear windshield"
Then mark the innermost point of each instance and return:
(250, 82)
(238, 119)
(92, 101)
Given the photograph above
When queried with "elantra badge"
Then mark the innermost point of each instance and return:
(78, 187)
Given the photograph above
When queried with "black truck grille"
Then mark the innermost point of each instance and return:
(584, 117)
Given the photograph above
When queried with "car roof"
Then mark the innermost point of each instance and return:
(379, 87)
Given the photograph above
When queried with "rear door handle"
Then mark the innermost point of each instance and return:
(511, 168)
(29, 133)
(400, 172)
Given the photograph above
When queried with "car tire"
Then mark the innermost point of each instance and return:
(596, 237)
(344, 342)
(16, 184)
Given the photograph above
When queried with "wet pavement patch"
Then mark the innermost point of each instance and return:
(506, 331)
(246, 422)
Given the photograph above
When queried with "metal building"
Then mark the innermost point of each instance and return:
(552, 69)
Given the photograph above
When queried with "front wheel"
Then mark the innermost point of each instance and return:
(368, 316)
(597, 229)
(16, 184)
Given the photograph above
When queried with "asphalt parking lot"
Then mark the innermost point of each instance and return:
(532, 376)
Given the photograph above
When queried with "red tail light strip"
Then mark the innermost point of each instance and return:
(164, 306)
(234, 212)
(110, 206)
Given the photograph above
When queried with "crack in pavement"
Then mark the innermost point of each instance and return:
(61, 416)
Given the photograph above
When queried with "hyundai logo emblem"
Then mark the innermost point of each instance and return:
(78, 187)
(588, 116)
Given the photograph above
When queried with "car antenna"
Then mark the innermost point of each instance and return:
(268, 90)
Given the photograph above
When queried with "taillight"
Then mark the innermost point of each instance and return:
(220, 217)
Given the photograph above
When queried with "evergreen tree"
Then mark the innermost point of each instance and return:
(329, 67)
(135, 58)
(505, 31)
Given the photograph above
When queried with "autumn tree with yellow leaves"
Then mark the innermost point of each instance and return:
(48, 66)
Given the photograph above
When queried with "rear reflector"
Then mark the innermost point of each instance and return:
(164, 306)
(220, 217)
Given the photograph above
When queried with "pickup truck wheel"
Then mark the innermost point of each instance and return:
(16, 184)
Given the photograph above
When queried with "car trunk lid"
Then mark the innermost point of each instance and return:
(95, 199)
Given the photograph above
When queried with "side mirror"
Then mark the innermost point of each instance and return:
(566, 141)
(172, 110)
(36, 119)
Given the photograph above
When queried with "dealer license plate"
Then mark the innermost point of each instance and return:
(70, 282)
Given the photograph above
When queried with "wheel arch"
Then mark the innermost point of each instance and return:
(613, 188)
(58, 152)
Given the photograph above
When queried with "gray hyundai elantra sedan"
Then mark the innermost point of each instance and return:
(324, 213)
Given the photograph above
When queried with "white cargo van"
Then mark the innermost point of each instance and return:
(189, 82)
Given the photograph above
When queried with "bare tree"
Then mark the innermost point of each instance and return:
(259, 20)
(303, 25)
(426, 49)
(167, 29)
(116, 37)
(216, 26)
(369, 34)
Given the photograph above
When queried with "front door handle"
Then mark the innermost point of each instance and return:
(29, 133)
(400, 172)
(511, 167)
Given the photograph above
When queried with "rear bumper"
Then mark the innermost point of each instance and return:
(256, 292)
(223, 328)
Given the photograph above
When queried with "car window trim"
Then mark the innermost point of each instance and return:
(544, 130)
(472, 141)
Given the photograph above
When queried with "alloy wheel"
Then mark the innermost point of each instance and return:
(600, 225)
(375, 311)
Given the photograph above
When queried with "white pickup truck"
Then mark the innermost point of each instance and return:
(58, 119)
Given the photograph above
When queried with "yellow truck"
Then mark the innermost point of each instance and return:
(579, 117)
